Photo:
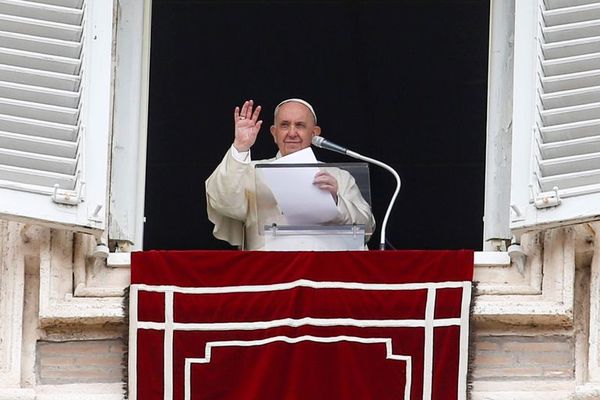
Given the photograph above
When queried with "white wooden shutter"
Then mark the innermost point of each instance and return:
(55, 91)
(556, 113)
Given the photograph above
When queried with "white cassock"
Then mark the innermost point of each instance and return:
(231, 202)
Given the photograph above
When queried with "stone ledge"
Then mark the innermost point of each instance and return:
(86, 310)
(482, 259)
(589, 391)
(89, 391)
(523, 312)
(17, 394)
(521, 395)
(529, 390)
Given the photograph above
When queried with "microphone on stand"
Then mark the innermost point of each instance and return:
(328, 145)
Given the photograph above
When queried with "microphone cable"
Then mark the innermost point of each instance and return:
(326, 144)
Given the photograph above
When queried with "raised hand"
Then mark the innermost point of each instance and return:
(246, 126)
(325, 181)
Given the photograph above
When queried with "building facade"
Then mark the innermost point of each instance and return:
(73, 95)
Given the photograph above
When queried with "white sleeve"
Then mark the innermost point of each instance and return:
(241, 156)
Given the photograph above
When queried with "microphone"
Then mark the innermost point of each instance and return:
(327, 145)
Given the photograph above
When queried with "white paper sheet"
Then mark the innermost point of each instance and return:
(301, 202)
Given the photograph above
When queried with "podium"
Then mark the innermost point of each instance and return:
(295, 215)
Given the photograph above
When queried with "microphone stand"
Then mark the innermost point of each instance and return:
(392, 201)
(326, 144)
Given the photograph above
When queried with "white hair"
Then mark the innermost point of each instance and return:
(303, 102)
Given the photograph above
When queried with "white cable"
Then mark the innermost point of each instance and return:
(326, 144)
(392, 201)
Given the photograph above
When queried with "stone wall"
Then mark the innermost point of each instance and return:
(62, 324)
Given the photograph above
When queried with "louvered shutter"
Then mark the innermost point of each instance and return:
(55, 88)
(556, 113)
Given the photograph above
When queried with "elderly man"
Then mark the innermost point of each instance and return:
(230, 190)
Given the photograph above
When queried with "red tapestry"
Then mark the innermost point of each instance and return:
(233, 325)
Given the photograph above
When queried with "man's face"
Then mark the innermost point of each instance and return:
(294, 128)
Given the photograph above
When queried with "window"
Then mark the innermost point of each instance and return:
(367, 68)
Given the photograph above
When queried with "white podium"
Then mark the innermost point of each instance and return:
(281, 235)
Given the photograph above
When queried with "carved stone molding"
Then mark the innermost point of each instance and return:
(92, 276)
(551, 262)
(594, 325)
(11, 303)
(508, 279)
(57, 302)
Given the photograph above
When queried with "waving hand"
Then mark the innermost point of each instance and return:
(247, 125)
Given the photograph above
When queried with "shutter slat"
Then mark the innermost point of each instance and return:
(570, 131)
(63, 3)
(566, 32)
(40, 145)
(571, 114)
(23, 159)
(28, 59)
(36, 94)
(565, 165)
(570, 81)
(34, 177)
(35, 77)
(570, 65)
(36, 44)
(51, 30)
(44, 12)
(568, 98)
(552, 4)
(27, 126)
(571, 147)
(569, 15)
(577, 180)
(570, 48)
(42, 112)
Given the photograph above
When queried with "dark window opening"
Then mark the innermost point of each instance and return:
(403, 82)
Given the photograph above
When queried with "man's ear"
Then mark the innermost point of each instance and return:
(272, 129)
(316, 130)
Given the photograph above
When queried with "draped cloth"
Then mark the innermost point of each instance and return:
(299, 325)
